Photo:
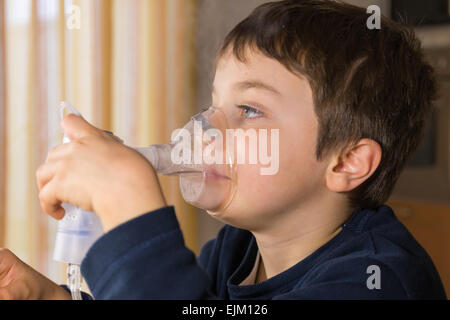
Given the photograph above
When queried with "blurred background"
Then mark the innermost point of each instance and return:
(141, 68)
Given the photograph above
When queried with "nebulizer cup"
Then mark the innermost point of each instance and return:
(197, 154)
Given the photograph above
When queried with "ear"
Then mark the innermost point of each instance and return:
(354, 166)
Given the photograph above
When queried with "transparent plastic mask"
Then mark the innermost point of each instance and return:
(214, 188)
(198, 155)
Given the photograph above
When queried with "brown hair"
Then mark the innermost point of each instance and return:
(366, 83)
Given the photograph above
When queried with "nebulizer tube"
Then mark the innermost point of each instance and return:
(196, 154)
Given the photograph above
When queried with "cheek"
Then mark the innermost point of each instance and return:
(299, 167)
(296, 177)
(260, 196)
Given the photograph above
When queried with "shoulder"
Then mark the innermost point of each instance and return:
(397, 248)
(361, 277)
(377, 257)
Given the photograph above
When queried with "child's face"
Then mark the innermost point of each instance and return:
(261, 200)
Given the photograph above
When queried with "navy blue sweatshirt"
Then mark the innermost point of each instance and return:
(373, 257)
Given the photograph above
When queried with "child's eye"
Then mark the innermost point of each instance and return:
(249, 112)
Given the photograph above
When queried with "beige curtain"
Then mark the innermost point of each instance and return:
(128, 68)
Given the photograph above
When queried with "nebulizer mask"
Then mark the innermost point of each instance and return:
(197, 155)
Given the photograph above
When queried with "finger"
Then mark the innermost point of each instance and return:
(76, 127)
(16, 290)
(59, 152)
(5, 294)
(6, 261)
(50, 202)
(44, 174)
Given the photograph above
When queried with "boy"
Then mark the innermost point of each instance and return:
(350, 104)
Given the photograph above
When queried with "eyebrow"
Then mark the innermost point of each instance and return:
(253, 84)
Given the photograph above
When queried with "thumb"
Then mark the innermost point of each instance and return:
(76, 127)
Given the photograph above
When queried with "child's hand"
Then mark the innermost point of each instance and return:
(97, 173)
(18, 281)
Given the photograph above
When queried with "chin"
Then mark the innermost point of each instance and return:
(237, 216)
